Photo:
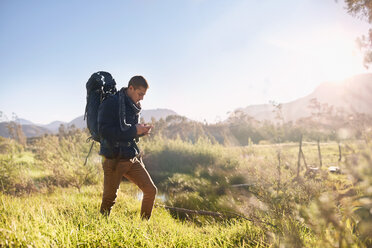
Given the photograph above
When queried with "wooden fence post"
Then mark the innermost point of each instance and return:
(279, 173)
(320, 155)
(303, 157)
(299, 157)
(339, 151)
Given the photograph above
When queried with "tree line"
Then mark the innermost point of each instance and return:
(325, 124)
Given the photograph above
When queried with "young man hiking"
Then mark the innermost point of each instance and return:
(119, 130)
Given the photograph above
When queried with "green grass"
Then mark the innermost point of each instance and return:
(41, 206)
(67, 218)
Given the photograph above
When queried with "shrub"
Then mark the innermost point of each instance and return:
(64, 156)
(194, 175)
(13, 177)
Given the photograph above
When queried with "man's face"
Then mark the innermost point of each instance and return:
(136, 94)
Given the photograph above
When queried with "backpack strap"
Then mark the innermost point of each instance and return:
(90, 150)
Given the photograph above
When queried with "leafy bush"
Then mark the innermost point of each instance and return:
(192, 175)
(13, 167)
(64, 156)
(9, 146)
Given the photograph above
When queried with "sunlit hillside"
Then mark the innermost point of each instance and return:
(353, 95)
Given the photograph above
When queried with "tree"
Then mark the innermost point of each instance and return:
(363, 9)
(15, 130)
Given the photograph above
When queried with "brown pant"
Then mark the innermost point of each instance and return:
(135, 171)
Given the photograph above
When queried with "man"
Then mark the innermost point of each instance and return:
(119, 130)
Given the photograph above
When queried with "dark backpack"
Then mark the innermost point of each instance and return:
(99, 86)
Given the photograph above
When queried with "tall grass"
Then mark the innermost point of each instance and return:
(193, 175)
(67, 218)
(49, 198)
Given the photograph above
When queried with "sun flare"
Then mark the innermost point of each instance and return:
(338, 57)
(328, 54)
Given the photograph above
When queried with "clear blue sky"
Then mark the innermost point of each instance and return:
(202, 58)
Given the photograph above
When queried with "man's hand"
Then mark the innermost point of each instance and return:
(143, 129)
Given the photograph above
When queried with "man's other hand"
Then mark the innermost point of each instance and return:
(143, 129)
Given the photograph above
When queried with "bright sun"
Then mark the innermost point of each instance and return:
(327, 54)
(337, 56)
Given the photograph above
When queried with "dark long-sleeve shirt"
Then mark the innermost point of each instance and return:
(116, 142)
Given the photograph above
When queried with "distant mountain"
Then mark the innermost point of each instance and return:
(24, 121)
(351, 95)
(78, 122)
(53, 126)
(30, 129)
(33, 130)
(4, 130)
(156, 113)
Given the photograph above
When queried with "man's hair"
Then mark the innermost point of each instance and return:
(138, 81)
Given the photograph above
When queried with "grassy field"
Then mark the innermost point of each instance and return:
(67, 218)
(49, 198)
